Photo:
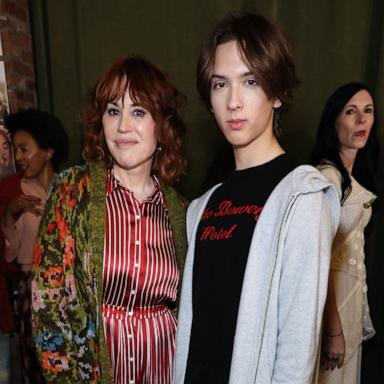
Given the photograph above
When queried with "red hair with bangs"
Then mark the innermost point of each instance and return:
(150, 88)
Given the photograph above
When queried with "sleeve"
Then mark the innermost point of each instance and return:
(191, 219)
(52, 287)
(303, 286)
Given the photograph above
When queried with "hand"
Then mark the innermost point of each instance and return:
(332, 351)
(21, 204)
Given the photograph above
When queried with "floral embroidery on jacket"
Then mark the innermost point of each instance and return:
(67, 274)
(63, 320)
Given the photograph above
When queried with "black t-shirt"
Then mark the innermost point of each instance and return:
(221, 251)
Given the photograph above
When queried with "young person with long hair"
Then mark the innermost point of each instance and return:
(256, 272)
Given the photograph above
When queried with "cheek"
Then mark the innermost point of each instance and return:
(106, 128)
(341, 127)
(148, 132)
(152, 141)
(216, 104)
(36, 159)
(371, 120)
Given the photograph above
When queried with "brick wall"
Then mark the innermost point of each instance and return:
(17, 53)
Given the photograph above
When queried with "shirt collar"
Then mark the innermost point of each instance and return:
(156, 198)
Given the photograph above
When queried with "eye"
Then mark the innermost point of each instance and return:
(349, 111)
(252, 82)
(113, 111)
(20, 150)
(139, 112)
(368, 110)
(217, 84)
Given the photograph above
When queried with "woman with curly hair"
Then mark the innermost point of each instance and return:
(40, 146)
(112, 240)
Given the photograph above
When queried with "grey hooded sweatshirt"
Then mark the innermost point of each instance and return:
(284, 287)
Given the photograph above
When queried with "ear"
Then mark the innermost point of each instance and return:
(50, 153)
(277, 103)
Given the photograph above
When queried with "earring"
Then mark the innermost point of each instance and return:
(159, 148)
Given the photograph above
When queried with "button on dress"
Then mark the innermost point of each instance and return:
(140, 278)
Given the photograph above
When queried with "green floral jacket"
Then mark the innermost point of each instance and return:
(67, 275)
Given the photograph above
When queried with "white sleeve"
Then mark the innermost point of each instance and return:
(192, 213)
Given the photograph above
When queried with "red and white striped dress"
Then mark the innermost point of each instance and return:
(140, 278)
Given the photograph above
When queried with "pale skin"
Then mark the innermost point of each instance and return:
(33, 163)
(129, 132)
(353, 126)
(242, 110)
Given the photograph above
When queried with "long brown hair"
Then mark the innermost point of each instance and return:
(149, 87)
(265, 49)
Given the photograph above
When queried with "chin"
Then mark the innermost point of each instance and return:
(360, 145)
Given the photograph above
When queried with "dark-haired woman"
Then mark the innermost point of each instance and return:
(344, 138)
(40, 146)
(112, 240)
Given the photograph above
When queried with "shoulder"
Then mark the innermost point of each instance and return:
(332, 174)
(71, 175)
(304, 179)
(173, 197)
(330, 171)
(71, 184)
(307, 188)
(174, 200)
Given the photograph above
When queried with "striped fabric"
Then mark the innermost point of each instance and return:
(140, 279)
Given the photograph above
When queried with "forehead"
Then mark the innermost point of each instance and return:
(229, 60)
(23, 137)
(125, 98)
(115, 88)
(361, 97)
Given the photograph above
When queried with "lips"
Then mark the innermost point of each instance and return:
(236, 123)
(21, 167)
(121, 143)
(360, 133)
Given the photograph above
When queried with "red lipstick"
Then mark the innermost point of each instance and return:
(360, 133)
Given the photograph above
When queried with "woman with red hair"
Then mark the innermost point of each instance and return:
(112, 239)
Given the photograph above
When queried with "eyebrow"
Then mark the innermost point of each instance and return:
(218, 76)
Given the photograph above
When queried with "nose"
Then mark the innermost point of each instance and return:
(361, 118)
(18, 155)
(234, 99)
(125, 124)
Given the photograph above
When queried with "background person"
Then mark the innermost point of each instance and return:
(6, 161)
(345, 138)
(40, 146)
